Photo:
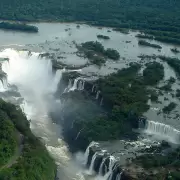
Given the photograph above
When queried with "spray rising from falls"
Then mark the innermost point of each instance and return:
(163, 131)
(104, 164)
(37, 82)
(30, 71)
(78, 84)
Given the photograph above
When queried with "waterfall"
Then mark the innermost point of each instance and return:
(81, 85)
(86, 154)
(56, 80)
(75, 85)
(93, 89)
(101, 103)
(108, 175)
(141, 123)
(118, 177)
(97, 94)
(3, 84)
(29, 71)
(163, 131)
(101, 167)
(91, 168)
(69, 86)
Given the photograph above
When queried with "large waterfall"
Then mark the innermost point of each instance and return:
(36, 81)
(108, 166)
(163, 131)
(78, 84)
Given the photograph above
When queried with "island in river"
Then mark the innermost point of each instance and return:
(112, 103)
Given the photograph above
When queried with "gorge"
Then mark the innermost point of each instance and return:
(71, 107)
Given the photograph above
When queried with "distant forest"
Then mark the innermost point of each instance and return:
(158, 17)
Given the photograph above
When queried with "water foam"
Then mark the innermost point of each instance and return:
(36, 83)
(163, 131)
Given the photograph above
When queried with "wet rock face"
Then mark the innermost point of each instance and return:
(97, 163)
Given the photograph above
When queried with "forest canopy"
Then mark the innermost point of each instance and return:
(151, 15)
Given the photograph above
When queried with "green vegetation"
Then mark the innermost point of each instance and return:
(123, 103)
(163, 36)
(99, 36)
(158, 17)
(178, 93)
(96, 53)
(175, 50)
(173, 62)
(8, 140)
(122, 30)
(18, 27)
(145, 43)
(32, 160)
(154, 96)
(153, 73)
(167, 165)
(171, 106)
(112, 54)
(168, 86)
(144, 36)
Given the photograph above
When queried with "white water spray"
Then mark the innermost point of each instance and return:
(108, 175)
(93, 89)
(163, 131)
(91, 168)
(101, 167)
(97, 95)
(86, 154)
(37, 83)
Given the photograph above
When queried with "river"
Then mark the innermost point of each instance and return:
(37, 82)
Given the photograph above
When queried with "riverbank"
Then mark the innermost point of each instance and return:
(30, 159)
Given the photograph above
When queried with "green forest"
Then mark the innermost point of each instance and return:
(123, 104)
(22, 156)
(18, 27)
(159, 18)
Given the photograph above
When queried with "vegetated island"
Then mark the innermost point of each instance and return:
(18, 27)
(99, 36)
(145, 43)
(22, 155)
(145, 36)
(175, 50)
(171, 106)
(95, 52)
(173, 62)
(123, 104)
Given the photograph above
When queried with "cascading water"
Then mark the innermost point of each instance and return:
(93, 89)
(36, 83)
(101, 103)
(86, 154)
(108, 175)
(78, 84)
(118, 177)
(163, 131)
(75, 85)
(97, 95)
(101, 166)
(109, 167)
(91, 168)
